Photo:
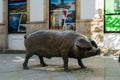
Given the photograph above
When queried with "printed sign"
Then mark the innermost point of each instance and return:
(62, 14)
(17, 16)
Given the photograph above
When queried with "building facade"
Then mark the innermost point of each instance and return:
(20, 17)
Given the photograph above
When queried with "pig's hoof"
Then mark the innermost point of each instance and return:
(83, 67)
(67, 70)
(119, 60)
(25, 68)
(44, 65)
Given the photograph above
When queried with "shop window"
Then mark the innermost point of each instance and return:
(112, 16)
(62, 14)
(17, 16)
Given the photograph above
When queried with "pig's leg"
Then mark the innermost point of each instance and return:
(42, 61)
(119, 58)
(64, 55)
(65, 60)
(26, 61)
(81, 63)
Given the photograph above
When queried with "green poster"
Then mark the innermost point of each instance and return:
(112, 16)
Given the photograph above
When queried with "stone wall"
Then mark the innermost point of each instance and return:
(33, 26)
(84, 27)
(112, 43)
(93, 29)
(112, 40)
(2, 37)
(97, 32)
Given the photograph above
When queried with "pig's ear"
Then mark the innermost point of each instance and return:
(82, 43)
(93, 43)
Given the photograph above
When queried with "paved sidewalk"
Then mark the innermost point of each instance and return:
(99, 68)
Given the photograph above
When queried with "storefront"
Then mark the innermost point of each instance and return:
(18, 17)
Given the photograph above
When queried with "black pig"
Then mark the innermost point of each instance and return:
(65, 44)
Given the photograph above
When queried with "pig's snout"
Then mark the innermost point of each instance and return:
(95, 51)
(98, 51)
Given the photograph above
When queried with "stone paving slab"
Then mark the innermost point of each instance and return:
(99, 68)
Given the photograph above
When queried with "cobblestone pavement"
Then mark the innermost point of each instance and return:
(99, 68)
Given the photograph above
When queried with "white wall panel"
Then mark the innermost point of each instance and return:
(87, 9)
(112, 40)
(100, 4)
(36, 10)
(16, 42)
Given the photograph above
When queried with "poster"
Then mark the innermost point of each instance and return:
(62, 14)
(17, 16)
(112, 16)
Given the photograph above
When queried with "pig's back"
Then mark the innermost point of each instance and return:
(49, 43)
